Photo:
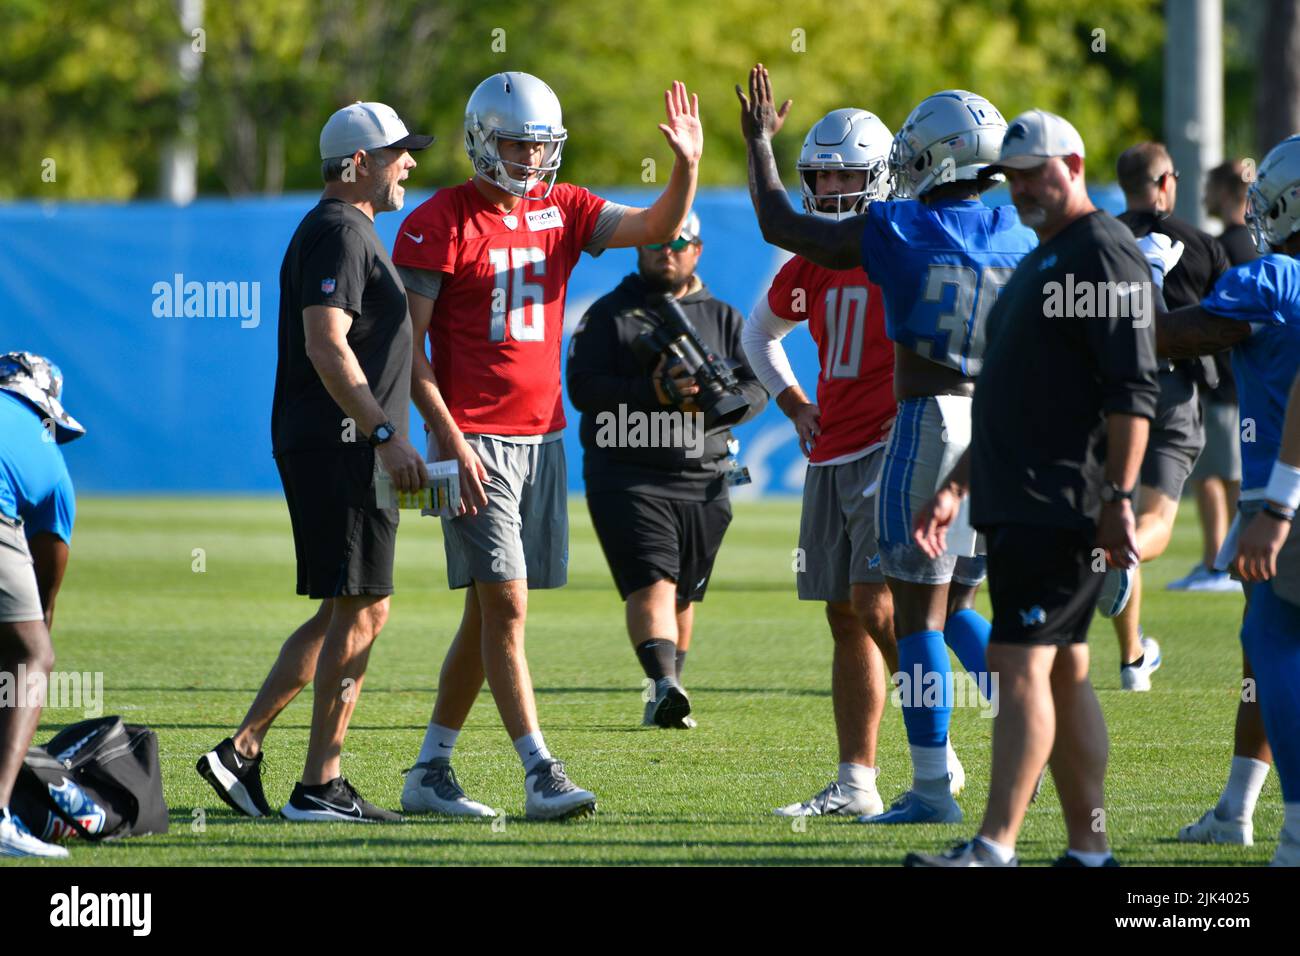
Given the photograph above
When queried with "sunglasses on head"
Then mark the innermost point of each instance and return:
(677, 245)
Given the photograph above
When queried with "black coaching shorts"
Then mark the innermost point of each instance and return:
(648, 539)
(1042, 584)
(344, 544)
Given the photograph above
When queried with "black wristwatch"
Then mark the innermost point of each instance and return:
(382, 434)
(1111, 493)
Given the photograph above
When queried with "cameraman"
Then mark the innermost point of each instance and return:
(659, 512)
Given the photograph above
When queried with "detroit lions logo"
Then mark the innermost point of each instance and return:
(1033, 617)
(1014, 132)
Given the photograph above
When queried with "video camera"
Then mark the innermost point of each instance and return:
(720, 398)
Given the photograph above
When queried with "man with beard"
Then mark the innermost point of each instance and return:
(658, 496)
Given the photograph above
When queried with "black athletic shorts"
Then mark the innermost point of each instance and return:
(1177, 436)
(648, 539)
(344, 544)
(1042, 584)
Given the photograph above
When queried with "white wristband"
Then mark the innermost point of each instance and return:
(1284, 485)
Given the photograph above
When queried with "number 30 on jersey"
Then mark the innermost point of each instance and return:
(517, 303)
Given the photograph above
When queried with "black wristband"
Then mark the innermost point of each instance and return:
(1278, 513)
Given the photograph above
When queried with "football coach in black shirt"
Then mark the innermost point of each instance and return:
(1060, 422)
(656, 481)
(1147, 175)
(340, 410)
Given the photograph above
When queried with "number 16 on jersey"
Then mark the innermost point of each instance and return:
(517, 303)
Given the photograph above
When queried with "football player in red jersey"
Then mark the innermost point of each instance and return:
(843, 166)
(486, 266)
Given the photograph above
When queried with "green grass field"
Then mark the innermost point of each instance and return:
(184, 652)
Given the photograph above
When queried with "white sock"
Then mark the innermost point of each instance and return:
(1245, 781)
(857, 776)
(951, 756)
(1291, 820)
(438, 742)
(1089, 859)
(532, 750)
(1001, 852)
(929, 763)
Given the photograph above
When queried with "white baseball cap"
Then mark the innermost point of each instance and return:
(367, 126)
(1034, 137)
(691, 227)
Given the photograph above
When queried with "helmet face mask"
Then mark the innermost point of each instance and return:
(949, 137)
(1273, 200)
(519, 107)
(845, 139)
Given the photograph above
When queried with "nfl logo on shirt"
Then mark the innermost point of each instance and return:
(327, 286)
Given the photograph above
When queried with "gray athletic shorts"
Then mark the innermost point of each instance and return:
(523, 533)
(1222, 455)
(19, 598)
(1177, 436)
(928, 437)
(837, 529)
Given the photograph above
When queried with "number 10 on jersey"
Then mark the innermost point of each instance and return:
(515, 302)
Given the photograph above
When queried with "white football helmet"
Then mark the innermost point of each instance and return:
(949, 137)
(1274, 197)
(845, 139)
(514, 106)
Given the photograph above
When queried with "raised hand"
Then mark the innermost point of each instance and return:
(758, 113)
(683, 130)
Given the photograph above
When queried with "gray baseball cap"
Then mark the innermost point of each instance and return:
(367, 126)
(1034, 137)
(691, 227)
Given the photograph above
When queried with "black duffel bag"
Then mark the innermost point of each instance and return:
(98, 779)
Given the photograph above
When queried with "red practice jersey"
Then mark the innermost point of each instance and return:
(845, 313)
(497, 322)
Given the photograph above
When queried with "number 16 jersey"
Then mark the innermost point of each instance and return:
(499, 315)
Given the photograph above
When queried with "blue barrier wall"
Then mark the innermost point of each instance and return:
(176, 403)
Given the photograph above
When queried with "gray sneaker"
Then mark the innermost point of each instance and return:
(432, 787)
(971, 853)
(551, 795)
(648, 718)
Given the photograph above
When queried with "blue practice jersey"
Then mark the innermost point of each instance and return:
(941, 268)
(34, 481)
(1265, 293)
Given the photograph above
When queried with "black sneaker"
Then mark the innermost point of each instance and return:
(671, 705)
(1068, 860)
(237, 779)
(336, 800)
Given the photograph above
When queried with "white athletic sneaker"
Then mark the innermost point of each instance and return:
(1115, 591)
(1211, 829)
(836, 799)
(552, 796)
(1132, 677)
(432, 787)
(1205, 579)
(1288, 851)
(17, 840)
(956, 775)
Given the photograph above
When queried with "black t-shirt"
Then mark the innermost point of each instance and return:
(1063, 351)
(1188, 282)
(335, 259)
(604, 373)
(1238, 244)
